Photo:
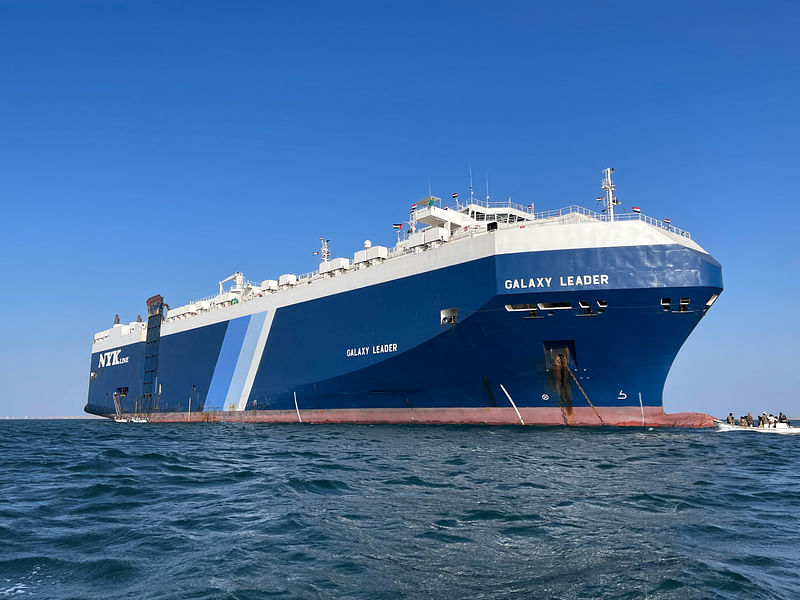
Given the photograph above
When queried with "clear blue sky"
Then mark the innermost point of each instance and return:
(156, 147)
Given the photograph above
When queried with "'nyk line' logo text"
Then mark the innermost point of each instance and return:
(108, 359)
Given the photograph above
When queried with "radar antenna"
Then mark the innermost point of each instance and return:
(324, 250)
(608, 186)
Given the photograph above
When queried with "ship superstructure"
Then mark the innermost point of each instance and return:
(483, 312)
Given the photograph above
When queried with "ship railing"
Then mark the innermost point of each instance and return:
(491, 204)
(654, 222)
(550, 215)
(203, 299)
(561, 216)
(568, 215)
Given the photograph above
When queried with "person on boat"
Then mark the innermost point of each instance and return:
(749, 419)
(782, 418)
(731, 420)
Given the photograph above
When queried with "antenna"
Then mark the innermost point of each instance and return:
(487, 186)
(471, 197)
(608, 186)
(324, 251)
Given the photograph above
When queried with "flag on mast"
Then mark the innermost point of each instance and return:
(636, 209)
(454, 195)
(397, 226)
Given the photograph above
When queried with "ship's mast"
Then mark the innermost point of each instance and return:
(471, 197)
(611, 198)
(324, 250)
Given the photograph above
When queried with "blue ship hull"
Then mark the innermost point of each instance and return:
(580, 336)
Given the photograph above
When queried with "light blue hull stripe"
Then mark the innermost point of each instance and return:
(245, 359)
(226, 363)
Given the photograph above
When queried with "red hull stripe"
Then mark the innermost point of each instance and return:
(582, 416)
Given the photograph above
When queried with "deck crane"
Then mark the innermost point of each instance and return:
(237, 278)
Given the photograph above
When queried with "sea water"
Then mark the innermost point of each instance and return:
(95, 509)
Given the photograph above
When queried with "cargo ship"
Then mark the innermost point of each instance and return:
(482, 312)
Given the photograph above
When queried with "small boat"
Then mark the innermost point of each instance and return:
(119, 419)
(782, 428)
(140, 420)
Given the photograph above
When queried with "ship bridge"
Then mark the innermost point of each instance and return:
(474, 211)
